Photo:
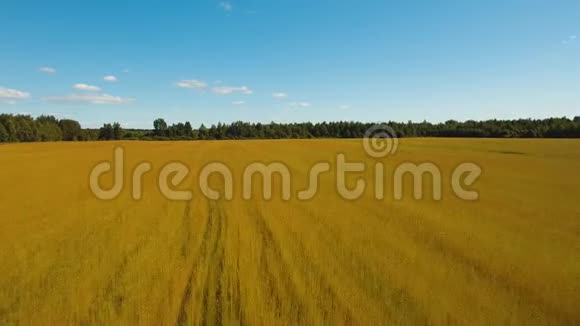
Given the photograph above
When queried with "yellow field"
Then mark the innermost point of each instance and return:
(511, 257)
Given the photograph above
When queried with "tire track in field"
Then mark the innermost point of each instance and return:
(111, 292)
(186, 228)
(329, 304)
(187, 293)
(396, 299)
(524, 294)
(279, 284)
(212, 301)
(236, 295)
(219, 294)
(431, 241)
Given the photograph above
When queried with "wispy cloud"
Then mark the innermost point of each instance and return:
(10, 96)
(344, 107)
(125, 70)
(110, 78)
(279, 95)
(61, 115)
(300, 104)
(85, 87)
(226, 6)
(238, 102)
(227, 90)
(48, 70)
(191, 83)
(571, 39)
(91, 99)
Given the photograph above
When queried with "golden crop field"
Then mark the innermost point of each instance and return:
(510, 257)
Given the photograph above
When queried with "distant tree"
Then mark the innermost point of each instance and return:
(117, 131)
(195, 134)
(160, 127)
(90, 135)
(48, 128)
(11, 128)
(3, 134)
(203, 132)
(179, 130)
(25, 128)
(106, 132)
(188, 129)
(71, 129)
(47, 119)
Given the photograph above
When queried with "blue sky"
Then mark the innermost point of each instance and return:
(281, 60)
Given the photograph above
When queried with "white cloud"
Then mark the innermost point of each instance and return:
(226, 90)
(85, 87)
(226, 5)
(571, 39)
(192, 83)
(344, 107)
(61, 115)
(48, 70)
(91, 99)
(110, 78)
(279, 95)
(300, 104)
(12, 94)
(238, 102)
(125, 70)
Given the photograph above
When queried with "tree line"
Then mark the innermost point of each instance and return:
(24, 128)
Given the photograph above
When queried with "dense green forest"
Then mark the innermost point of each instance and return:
(24, 128)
